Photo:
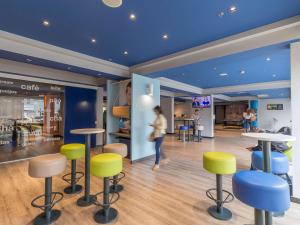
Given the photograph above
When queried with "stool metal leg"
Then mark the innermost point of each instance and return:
(49, 215)
(183, 136)
(115, 187)
(259, 217)
(107, 214)
(218, 211)
(74, 188)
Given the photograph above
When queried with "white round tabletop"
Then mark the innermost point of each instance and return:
(269, 137)
(87, 131)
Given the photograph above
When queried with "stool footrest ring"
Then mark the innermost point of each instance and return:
(68, 179)
(112, 199)
(55, 198)
(227, 199)
(121, 175)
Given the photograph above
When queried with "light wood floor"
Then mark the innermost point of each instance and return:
(173, 195)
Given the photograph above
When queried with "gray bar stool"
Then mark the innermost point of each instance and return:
(120, 149)
(47, 166)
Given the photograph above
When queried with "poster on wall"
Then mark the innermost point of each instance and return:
(30, 113)
(275, 107)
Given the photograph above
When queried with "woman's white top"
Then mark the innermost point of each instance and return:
(160, 126)
(248, 116)
(197, 119)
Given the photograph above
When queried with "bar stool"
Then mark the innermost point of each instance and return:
(262, 191)
(106, 165)
(199, 130)
(73, 152)
(120, 149)
(183, 129)
(47, 166)
(279, 162)
(219, 163)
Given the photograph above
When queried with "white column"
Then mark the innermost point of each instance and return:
(99, 116)
(167, 105)
(295, 100)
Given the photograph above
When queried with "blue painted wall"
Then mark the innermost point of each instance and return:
(142, 115)
(254, 105)
(80, 112)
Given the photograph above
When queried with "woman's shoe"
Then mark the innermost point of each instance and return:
(155, 167)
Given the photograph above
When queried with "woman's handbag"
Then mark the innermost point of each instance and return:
(151, 137)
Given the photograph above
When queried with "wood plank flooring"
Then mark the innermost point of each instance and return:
(174, 195)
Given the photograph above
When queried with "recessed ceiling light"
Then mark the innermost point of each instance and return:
(46, 23)
(268, 59)
(221, 14)
(232, 9)
(132, 16)
(29, 60)
(263, 95)
(99, 74)
(69, 68)
(113, 3)
(243, 72)
(125, 53)
(183, 74)
(93, 40)
(274, 75)
(165, 36)
(223, 74)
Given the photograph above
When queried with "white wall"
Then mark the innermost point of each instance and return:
(167, 105)
(274, 119)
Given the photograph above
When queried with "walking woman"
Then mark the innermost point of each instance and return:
(160, 126)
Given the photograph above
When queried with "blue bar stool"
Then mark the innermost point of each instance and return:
(279, 162)
(262, 191)
(183, 129)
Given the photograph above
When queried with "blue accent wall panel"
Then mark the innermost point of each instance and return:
(80, 112)
(254, 105)
(142, 115)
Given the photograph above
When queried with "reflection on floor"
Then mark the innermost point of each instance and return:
(9, 153)
(174, 195)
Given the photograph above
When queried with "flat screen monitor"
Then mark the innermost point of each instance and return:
(201, 102)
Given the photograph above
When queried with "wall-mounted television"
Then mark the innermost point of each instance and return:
(201, 102)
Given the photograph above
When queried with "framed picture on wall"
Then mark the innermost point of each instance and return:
(275, 107)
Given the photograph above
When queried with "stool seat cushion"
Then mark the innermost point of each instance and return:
(106, 165)
(47, 165)
(118, 148)
(279, 162)
(219, 162)
(73, 151)
(260, 190)
(183, 128)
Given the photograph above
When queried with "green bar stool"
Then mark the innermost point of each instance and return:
(106, 165)
(219, 163)
(121, 149)
(73, 152)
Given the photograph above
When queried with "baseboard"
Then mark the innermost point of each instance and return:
(142, 159)
(295, 200)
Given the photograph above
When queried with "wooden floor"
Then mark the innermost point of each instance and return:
(173, 195)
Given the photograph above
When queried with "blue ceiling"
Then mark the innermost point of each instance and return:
(254, 64)
(55, 65)
(188, 23)
(272, 93)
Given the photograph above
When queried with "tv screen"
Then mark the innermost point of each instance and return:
(201, 102)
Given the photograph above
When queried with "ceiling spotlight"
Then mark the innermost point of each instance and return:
(221, 14)
(243, 72)
(125, 53)
(69, 68)
(262, 95)
(99, 74)
(223, 74)
(132, 16)
(165, 36)
(46, 23)
(274, 75)
(29, 60)
(268, 59)
(93, 40)
(232, 9)
(112, 3)
(215, 68)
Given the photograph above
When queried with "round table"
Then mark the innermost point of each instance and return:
(87, 199)
(266, 139)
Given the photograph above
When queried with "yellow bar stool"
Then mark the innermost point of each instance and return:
(121, 149)
(219, 163)
(73, 152)
(106, 165)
